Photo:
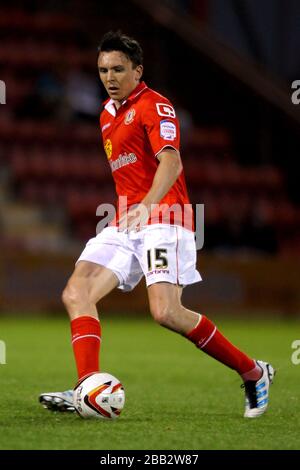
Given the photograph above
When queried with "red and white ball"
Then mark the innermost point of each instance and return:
(101, 396)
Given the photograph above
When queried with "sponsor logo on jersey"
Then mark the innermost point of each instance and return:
(129, 116)
(105, 126)
(167, 130)
(165, 110)
(122, 160)
(108, 148)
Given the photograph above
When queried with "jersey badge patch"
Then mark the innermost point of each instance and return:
(108, 148)
(129, 116)
(165, 110)
(167, 130)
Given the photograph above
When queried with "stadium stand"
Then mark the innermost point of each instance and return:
(51, 155)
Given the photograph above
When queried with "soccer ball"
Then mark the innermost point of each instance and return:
(100, 395)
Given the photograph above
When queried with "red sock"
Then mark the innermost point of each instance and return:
(86, 338)
(206, 337)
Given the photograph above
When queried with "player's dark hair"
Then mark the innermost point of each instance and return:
(117, 41)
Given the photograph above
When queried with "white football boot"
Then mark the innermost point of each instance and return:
(257, 392)
(58, 401)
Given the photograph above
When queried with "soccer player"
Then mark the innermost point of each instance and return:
(148, 238)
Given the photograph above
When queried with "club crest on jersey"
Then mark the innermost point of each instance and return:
(167, 130)
(129, 116)
(108, 148)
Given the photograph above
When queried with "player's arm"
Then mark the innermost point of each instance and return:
(168, 170)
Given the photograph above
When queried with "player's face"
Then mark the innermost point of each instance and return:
(118, 75)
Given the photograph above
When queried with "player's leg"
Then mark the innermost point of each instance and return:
(105, 263)
(88, 284)
(168, 261)
(167, 310)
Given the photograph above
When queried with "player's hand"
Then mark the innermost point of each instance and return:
(135, 219)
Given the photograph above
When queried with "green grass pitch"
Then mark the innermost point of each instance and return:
(176, 396)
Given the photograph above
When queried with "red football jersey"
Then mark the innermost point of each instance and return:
(133, 136)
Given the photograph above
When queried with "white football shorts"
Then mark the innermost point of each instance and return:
(161, 253)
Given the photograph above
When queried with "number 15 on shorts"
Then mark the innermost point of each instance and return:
(157, 258)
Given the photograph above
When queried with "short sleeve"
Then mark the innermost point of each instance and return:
(161, 125)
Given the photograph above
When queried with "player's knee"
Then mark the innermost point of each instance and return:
(72, 295)
(162, 314)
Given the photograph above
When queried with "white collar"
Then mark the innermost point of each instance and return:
(110, 108)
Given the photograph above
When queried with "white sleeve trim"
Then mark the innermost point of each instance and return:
(165, 146)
